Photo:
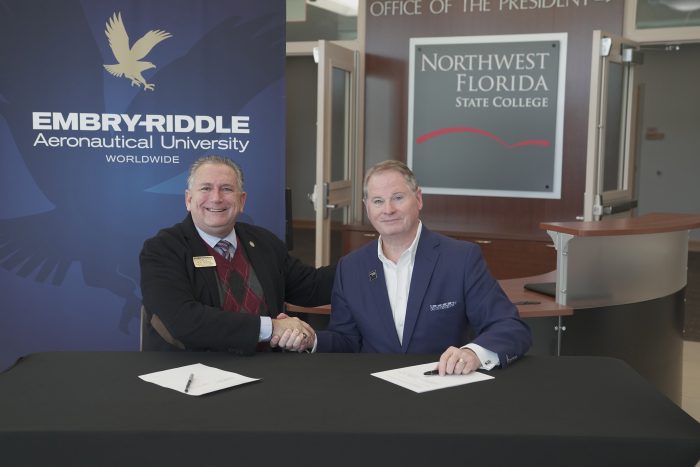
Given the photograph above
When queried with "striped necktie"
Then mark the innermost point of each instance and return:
(225, 249)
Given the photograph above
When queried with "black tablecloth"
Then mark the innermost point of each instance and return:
(91, 409)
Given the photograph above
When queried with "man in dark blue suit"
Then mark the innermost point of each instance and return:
(416, 291)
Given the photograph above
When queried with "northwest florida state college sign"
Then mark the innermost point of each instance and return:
(486, 114)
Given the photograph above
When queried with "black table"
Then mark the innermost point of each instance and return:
(91, 409)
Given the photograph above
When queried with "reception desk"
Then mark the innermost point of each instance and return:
(620, 261)
(91, 409)
(625, 280)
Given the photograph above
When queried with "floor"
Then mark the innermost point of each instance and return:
(690, 400)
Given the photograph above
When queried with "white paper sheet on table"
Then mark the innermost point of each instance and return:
(205, 379)
(412, 377)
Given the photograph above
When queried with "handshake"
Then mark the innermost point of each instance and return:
(292, 334)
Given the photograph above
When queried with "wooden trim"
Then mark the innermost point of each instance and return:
(538, 305)
(318, 310)
(657, 222)
(533, 304)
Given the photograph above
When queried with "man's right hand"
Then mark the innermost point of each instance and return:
(291, 334)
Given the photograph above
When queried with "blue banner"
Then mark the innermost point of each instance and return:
(103, 107)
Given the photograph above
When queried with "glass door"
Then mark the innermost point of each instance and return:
(335, 146)
(612, 123)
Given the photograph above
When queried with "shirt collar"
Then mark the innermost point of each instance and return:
(211, 240)
(412, 249)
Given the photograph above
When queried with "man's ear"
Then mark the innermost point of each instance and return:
(188, 199)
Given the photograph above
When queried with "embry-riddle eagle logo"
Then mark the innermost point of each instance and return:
(130, 64)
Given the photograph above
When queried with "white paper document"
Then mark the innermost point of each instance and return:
(202, 379)
(412, 377)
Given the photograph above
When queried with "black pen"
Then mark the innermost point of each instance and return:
(189, 382)
(527, 302)
(432, 372)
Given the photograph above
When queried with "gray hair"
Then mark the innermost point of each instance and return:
(219, 160)
(391, 165)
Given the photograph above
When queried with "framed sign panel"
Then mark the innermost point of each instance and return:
(486, 114)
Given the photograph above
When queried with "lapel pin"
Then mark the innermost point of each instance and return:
(251, 243)
(372, 275)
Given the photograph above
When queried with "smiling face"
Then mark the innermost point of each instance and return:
(214, 199)
(393, 207)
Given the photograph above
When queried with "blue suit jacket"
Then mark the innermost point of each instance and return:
(453, 300)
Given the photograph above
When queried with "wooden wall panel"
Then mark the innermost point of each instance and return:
(387, 55)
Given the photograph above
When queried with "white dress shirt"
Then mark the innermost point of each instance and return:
(398, 285)
(398, 280)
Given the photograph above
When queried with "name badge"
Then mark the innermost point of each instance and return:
(204, 261)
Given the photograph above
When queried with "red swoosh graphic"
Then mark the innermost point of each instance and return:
(445, 131)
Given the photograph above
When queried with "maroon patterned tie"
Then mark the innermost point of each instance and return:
(242, 289)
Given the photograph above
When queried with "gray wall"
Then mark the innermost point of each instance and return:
(669, 168)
